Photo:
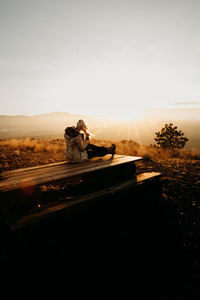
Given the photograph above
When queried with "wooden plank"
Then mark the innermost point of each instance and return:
(43, 169)
(24, 170)
(51, 209)
(65, 164)
(33, 180)
(58, 166)
(66, 168)
(44, 174)
(148, 176)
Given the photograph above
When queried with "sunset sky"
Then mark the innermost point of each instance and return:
(98, 56)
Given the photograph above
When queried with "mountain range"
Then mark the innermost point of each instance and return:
(52, 125)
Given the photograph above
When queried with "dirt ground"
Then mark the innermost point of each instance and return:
(182, 188)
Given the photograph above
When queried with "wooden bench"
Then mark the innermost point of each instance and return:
(111, 176)
(23, 179)
(108, 208)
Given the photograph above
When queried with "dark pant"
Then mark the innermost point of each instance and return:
(94, 151)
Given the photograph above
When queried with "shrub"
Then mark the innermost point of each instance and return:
(170, 138)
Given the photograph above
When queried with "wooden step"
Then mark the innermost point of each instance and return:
(92, 198)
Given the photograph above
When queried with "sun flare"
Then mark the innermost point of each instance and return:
(132, 115)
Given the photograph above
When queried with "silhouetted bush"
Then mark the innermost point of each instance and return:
(170, 138)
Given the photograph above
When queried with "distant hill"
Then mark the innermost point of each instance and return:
(104, 127)
(143, 131)
(44, 125)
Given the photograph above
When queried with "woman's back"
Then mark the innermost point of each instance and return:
(75, 145)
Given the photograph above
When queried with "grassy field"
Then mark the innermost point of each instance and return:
(20, 153)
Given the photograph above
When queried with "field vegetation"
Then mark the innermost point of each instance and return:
(19, 153)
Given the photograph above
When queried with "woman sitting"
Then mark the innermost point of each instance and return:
(78, 147)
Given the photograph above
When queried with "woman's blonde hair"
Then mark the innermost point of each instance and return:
(81, 125)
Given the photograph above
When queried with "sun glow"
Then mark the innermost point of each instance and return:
(132, 115)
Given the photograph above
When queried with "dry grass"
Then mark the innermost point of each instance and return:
(129, 147)
(21, 153)
(36, 145)
(18, 153)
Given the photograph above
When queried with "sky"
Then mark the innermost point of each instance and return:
(98, 56)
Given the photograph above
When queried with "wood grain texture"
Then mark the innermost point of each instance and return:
(28, 177)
